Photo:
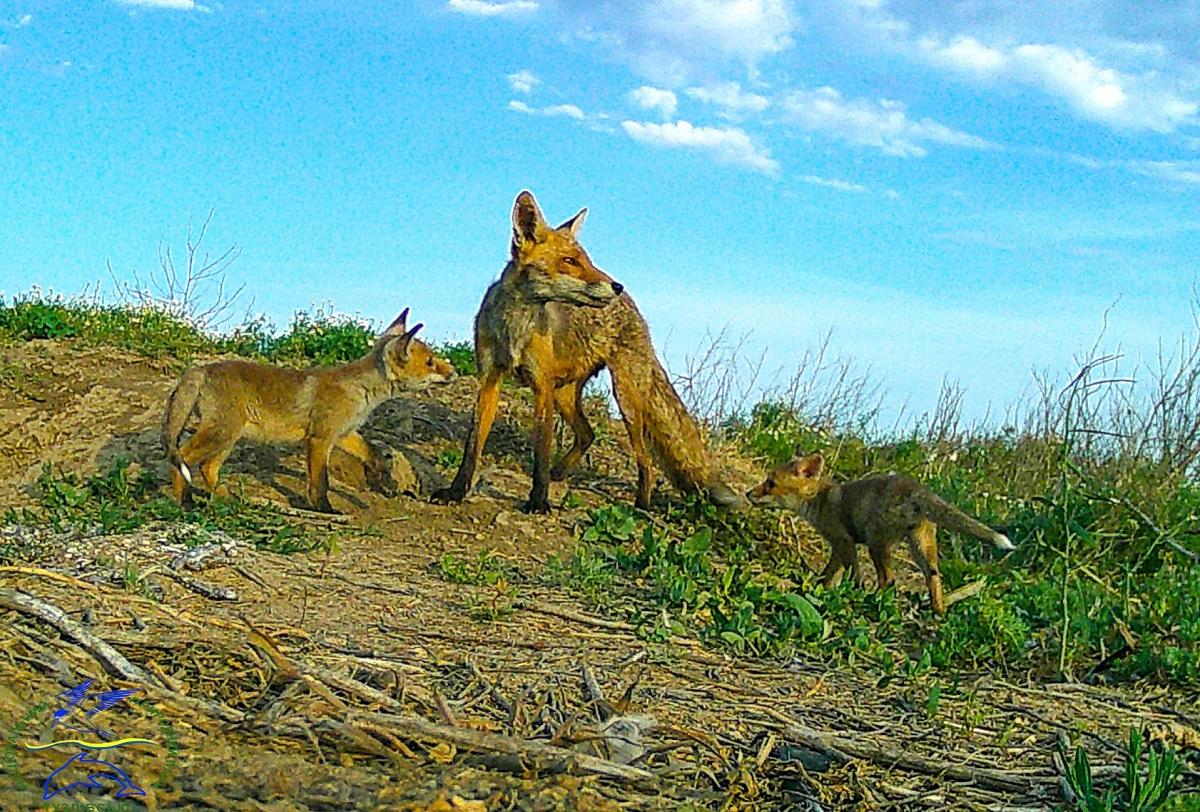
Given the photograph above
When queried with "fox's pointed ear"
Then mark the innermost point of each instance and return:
(394, 329)
(398, 345)
(812, 465)
(528, 223)
(799, 452)
(575, 223)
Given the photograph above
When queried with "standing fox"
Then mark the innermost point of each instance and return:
(876, 511)
(554, 320)
(323, 407)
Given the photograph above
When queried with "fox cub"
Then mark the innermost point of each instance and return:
(876, 511)
(322, 407)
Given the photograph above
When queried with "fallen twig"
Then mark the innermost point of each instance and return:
(845, 749)
(544, 757)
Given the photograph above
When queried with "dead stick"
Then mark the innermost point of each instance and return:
(571, 614)
(595, 694)
(112, 660)
(844, 749)
(547, 757)
(499, 698)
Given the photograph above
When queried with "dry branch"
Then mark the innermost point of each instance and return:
(112, 660)
(542, 757)
(845, 749)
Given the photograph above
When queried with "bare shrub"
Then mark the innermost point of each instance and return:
(718, 379)
(195, 292)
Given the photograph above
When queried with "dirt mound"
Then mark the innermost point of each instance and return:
(364, 677)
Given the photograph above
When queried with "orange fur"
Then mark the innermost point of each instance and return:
(322, 407)
(553, 321)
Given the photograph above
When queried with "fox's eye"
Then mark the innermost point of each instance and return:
(429, 362)
(770, 483)
(571, 261)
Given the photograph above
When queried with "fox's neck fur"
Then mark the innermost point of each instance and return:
(811, 507)
(366, 374)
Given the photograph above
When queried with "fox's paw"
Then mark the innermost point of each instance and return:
(447, 496)
(558, 473)
(536, 506)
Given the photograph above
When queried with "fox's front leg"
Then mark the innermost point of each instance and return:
(318, 473)
(485, 412)
(543, 439)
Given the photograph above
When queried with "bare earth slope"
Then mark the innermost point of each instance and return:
(364, 678)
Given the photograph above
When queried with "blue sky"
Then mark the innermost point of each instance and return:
(952, 188)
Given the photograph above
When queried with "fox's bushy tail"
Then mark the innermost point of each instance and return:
(179, 407)
(950, 517)
(677, 443)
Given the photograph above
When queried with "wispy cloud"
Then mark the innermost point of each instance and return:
(653, 98)
(480, 8)
(1178, 171)
(174, 5)
(523, 81)
(833, 183)
(883, 125)
(568, 110)
(25, 21)
(726, 145)
(729, 97)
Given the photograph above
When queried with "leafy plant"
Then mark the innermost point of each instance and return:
(1137, 792)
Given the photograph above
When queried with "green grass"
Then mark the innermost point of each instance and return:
(321, 338)
(728, 579)
(119, 500)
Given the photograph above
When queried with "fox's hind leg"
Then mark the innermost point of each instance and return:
(375, 465)
(568, 400)
(207, 450)
(923, 543)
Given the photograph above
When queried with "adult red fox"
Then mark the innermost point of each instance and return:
(554, 320)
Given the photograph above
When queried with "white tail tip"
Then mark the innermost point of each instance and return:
(187, 474)
(1002, 542)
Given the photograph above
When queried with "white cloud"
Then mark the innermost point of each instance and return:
(1094, 91)
(523, 81)
(963, 53)
(653, 98)
(672, 42)
(730, 97)
(884, 125)
(1178, 171)
(479, 8)
(25, 21)
(175, 5)
(726, 145)
(568, 110)
(833, 183)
